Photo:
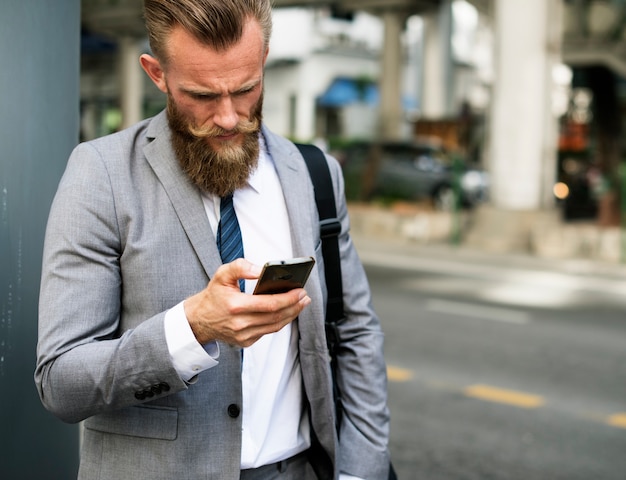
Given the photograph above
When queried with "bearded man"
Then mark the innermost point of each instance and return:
(150, 336)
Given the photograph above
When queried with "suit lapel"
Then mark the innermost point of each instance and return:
(184, 196)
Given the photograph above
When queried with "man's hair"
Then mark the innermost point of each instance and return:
(215, 23)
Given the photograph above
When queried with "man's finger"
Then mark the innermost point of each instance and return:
(238, 269)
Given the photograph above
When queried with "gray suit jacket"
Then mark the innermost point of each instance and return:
(127, 239)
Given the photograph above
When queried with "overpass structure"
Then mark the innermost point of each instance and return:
(593, 34)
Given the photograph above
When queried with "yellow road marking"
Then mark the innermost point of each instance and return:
(499, 395)
(617, 420)
(396, 374)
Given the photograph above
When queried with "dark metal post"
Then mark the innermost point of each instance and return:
(39, 122)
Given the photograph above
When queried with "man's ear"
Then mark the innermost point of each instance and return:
(153, 68)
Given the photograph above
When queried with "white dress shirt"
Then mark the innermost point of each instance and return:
(275, 425)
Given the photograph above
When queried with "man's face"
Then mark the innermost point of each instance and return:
(214, 106)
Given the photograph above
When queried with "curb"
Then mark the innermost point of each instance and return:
(579, 246)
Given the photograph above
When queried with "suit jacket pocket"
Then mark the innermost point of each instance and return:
(139, 421)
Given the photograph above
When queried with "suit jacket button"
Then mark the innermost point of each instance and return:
(159, 388)
(233, 410)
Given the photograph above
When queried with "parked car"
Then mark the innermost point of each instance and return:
(410, 171)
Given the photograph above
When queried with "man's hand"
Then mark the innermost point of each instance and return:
(222, 312)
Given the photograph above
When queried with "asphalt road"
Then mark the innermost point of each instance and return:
(501, 367)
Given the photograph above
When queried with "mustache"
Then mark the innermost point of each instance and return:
(244, 126)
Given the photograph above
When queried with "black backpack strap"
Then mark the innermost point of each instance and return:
(330, 227)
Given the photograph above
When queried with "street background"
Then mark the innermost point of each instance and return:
(501, 366)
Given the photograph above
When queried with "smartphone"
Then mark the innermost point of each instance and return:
(284, 275)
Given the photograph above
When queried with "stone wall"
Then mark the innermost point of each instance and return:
(541, 233)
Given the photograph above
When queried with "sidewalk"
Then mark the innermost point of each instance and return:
(538, 281)
(578, 274)
(426, 235)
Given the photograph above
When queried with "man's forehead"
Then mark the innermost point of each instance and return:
(195, 66)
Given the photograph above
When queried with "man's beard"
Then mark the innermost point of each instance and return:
(222, 171)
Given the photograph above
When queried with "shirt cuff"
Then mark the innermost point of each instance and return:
(345, 476)
(188, 356)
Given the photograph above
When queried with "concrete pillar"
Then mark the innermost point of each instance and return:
(391, 113)
(39, 123)
(522, 139)
(523, 127)
(131, 81)
(437, 79)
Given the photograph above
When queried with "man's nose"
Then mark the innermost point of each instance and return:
(225, 115)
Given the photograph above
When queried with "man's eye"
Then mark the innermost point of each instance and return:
(242, 93)
(203, 96)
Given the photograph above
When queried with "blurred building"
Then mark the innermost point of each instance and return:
(321, 74)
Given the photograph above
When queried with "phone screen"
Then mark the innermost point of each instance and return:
(284, 275)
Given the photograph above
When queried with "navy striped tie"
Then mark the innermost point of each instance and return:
(229, 241)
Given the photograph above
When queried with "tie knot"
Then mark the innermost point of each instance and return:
(226, 199)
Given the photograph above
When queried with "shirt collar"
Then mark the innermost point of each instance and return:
(265, 162)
